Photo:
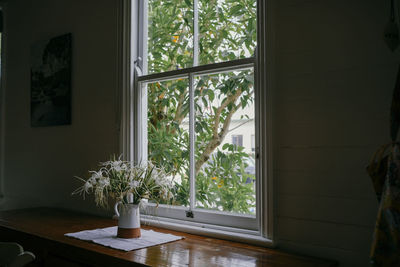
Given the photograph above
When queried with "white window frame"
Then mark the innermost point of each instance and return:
(260, 231)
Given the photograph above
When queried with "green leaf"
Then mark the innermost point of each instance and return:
(225, 146)
(236, 10)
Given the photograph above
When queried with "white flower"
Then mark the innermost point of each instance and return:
(124, 166)
(134, 184)
(116, 163)
(144, 180)
(96, 175)
(105, 181)
(164, 193)
(107, 163)
(158, 181)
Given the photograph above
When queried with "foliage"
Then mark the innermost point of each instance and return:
(127, 182)
(168, 142)
(227, 31)
(223, 184)
(170, 35)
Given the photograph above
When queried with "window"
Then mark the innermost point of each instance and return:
(194, 98)
(237, 140)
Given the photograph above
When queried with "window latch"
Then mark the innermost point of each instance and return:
(138, 61)
(189, 214)
(137, 66)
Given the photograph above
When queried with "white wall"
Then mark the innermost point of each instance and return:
(334, 79)
(40, 162)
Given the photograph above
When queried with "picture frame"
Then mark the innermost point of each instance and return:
(51, 81)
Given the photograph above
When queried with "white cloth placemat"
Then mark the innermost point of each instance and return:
(108, 237)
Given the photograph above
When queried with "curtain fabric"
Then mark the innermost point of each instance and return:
(386, 243)
(385, 249)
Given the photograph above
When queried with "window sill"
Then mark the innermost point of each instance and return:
(214, 231)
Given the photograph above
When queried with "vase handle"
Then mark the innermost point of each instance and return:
(116, 208)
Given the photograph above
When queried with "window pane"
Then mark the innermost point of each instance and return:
(237, 140)
(170, 35)
(227, 30)
(225, 172)
(167, 133)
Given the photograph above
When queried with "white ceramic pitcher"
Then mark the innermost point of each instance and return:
(128, 220)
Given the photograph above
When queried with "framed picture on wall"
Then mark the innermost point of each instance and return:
(51, 81)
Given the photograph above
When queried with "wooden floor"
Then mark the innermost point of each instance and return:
(42, 231)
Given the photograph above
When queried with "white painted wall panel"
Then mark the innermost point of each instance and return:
(40, 162)
(325, 234)
(334, 81)
(353, 184)
(328, 209)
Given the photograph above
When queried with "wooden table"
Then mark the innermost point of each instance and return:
(41, 231)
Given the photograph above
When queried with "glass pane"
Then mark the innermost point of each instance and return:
(168, 133)
(170, 35)
(227, 30)
(225, 165)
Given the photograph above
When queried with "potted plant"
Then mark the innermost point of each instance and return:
(128, 184)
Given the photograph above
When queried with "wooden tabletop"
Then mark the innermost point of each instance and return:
(41, 230)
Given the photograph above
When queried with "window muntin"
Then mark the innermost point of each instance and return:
(192, 73)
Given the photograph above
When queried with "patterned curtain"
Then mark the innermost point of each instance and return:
(385, 174)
